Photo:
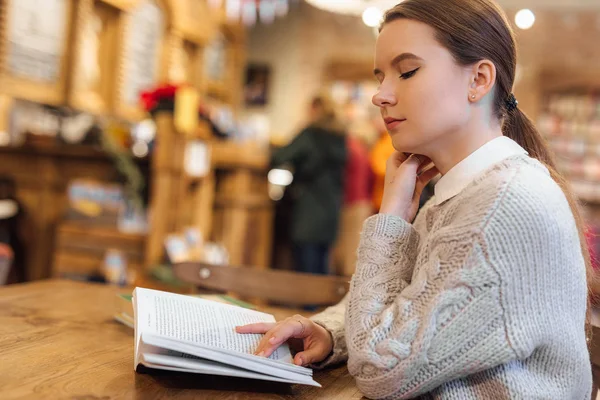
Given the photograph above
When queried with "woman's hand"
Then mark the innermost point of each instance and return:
(312, 340)
(405, 178)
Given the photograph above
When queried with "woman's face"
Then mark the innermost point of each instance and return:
(423, 93)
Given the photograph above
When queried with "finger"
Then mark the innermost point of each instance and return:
(264, 342)
(396, 159)
(296, 327)
(423, 179)
(309, 356)
(262, 327)
(425, 163)
(428, 175)
(292, 328)
(413, 163)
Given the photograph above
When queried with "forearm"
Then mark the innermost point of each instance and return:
(394, 241)
(387, 251)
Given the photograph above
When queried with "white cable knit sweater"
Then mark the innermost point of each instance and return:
(483, 297)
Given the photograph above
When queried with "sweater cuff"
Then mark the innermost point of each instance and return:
(387, 226)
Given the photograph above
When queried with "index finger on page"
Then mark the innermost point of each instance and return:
(261, 327)
(293, 328)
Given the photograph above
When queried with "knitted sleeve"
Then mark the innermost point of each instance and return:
(407, 338)
(332, 319)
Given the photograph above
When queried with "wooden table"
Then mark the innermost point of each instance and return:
(58, 341)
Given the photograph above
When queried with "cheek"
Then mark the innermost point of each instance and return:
(437, 104)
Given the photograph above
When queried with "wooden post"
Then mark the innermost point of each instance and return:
(161, 202)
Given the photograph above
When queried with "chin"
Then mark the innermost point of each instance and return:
(405, 143)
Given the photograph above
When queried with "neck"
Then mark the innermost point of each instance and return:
(460, 145)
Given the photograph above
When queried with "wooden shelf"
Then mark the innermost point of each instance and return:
(226, 154)
(81, 248)
(75, 151)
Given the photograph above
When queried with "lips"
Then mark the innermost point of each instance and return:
(392, 123)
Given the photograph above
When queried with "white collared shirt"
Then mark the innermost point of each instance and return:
(463, 173)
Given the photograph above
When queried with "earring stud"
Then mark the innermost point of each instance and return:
(473, 96)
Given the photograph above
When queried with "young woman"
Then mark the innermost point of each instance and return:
(484, 295)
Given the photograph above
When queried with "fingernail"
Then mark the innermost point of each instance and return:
(300, 361)
(261, 354)
(273, 340)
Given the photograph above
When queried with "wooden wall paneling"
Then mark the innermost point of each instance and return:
(98, 32)
(162, 187)
(264, 213)
(42, 77)
(165, 142)
(160, 217)
(6, 103)
(203, 204)
(181, 215)
(50, 214)
(142, 67)
(236, 184)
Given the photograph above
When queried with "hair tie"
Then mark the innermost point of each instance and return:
(511, 103)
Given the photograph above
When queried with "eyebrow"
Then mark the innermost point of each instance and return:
(398, 59)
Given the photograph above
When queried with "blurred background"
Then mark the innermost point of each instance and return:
(137, 134)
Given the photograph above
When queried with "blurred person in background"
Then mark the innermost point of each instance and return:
(318, 156)
(357, 207)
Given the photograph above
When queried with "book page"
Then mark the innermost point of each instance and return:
(200, 321)
(185, 363)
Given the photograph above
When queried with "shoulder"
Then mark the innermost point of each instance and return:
(522, 201)
(518, 193)
(530, 191)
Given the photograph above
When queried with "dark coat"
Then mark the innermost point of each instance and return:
(318, 157)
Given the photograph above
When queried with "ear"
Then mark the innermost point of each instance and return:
(483, 79)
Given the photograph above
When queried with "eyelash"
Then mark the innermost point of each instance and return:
(409, 74)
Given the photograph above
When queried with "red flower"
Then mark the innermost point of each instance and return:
(150, 99)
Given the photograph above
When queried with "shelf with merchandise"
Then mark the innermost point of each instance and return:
(570, 121)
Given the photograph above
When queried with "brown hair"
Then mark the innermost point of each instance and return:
(475, 30)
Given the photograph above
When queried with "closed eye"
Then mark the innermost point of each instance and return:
(409, 74)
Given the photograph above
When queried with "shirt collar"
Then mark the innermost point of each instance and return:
(463, 173)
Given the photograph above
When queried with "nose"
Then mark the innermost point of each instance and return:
(384, 97)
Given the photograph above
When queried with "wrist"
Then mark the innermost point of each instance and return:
(394, 212)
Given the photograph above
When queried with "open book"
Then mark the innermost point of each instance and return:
(182, 333)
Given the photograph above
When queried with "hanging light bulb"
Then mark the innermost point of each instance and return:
(372, 17)
(525, 19)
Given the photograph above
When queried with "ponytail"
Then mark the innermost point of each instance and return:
(521, 129)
